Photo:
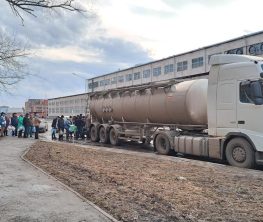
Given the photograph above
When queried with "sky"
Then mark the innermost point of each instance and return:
(68, 47)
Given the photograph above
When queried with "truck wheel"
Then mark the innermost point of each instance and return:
(240, 153)
(114, 140)
(104, 136)
(162, 144)
(93, 134)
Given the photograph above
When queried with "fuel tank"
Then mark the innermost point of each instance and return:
(181, 103)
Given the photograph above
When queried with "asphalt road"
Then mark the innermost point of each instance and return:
(26, 194)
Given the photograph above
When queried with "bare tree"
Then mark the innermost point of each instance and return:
(29, 6)
(12, 68)
(12, 53)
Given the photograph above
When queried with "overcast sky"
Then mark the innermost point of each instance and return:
(117, 34)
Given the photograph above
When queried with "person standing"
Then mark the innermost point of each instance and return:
(61, 127)
(67, 126)
(54, 128)
(78, 125)
(14, 124)
(7, 123)
(26, 123)
(2, 123)
(20, 126)
(31, 125)
(36, 123)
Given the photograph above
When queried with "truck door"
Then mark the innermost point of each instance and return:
(250, 105)
(226, 106)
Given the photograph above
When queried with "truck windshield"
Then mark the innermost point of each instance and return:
(251, 92)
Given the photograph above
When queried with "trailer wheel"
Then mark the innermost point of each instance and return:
(162, 144)
(94, 134)
(104, 136)
(240, 153)
(114, 140)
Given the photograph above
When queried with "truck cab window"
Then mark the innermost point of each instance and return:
(251, 92)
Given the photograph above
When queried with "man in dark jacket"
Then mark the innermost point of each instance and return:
(26, 123)
(61, 127)
(54, 128)
(14, 123)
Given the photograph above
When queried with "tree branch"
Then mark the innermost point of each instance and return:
(12, 69)
(29, 6)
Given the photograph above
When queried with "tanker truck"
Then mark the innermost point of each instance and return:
(220, 117)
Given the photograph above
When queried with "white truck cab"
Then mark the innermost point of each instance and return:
(235, 107)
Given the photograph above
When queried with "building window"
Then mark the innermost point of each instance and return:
(114, 80)
(238, 51)
(256, 49)
(107, 82)
(93, 85)
(120, 79)
(181, 66)
(168, 68)
(102, 83)
(128, 77)
(146, 73)
(136, 75)
(197, 62)
(157, 71)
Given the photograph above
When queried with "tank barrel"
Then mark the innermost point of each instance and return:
(177, 103)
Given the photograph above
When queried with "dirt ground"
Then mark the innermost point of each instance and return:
(136, 188)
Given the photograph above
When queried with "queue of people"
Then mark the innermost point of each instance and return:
(22, 126)
(71, 127)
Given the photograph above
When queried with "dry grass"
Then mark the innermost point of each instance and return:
(135, 188)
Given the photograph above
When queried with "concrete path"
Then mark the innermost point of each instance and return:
(27, 194)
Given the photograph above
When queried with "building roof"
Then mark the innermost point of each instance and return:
(69, 96)
(184, 53)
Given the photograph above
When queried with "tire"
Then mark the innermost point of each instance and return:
(114, 140)
(240, 153)
(94, 137)
(162, 144)
(104, 135)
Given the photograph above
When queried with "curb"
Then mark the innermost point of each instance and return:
(68, 188)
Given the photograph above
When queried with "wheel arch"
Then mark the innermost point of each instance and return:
(233, 135)
(169, 134)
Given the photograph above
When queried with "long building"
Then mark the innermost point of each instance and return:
(191, 64)
(68, 105)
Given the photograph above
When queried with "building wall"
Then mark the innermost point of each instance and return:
(68, 105)
(39, 106)
(184, 65)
